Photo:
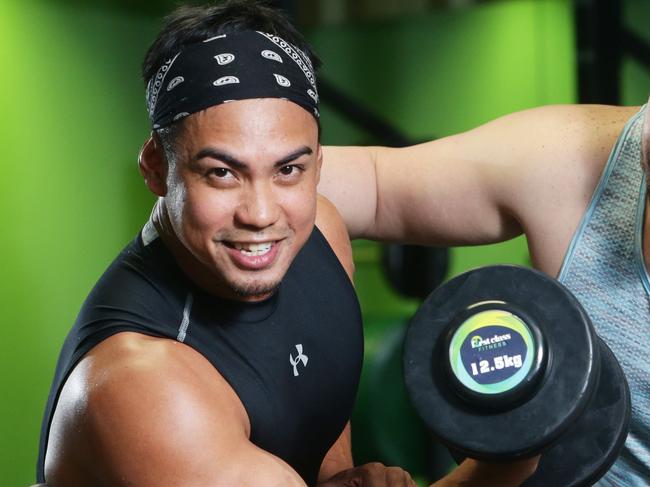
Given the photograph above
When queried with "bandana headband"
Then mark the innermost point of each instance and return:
(229, 67)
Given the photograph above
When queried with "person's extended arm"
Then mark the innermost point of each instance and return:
(513, 175)
(151, 412)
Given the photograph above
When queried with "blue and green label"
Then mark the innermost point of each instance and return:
(492, 351)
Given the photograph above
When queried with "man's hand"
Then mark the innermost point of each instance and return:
(370, 475)
(474, 473)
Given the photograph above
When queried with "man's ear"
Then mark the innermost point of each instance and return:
(153, 166)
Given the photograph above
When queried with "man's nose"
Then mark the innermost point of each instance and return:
(258, 207)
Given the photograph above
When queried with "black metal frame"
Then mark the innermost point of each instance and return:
(602, 42)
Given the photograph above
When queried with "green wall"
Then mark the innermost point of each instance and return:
(73, 120)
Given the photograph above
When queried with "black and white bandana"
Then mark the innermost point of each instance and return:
(229, 67)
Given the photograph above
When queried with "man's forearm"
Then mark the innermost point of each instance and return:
(339, 456)
(472, 473)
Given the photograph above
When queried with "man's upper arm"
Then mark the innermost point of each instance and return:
(333, 228)
(152, 412)
(485, 185)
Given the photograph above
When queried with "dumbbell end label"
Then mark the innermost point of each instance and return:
(492, 351)
(504, 361)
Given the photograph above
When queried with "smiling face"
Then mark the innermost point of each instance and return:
(241, 194)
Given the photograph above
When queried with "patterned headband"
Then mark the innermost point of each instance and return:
(229, 67)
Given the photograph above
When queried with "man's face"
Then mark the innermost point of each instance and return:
(242, 192)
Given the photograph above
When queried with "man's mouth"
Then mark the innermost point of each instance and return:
(252, 249)
(253, 255)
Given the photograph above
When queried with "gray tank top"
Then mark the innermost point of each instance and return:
(604, 268)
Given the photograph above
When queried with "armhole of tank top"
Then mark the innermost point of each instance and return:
(595, 197)
(334, 257)
(638, 239)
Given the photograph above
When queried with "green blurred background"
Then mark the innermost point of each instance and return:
(73, 120)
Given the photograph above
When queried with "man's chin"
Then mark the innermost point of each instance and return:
(254, 291)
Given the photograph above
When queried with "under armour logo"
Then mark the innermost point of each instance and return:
(299, 358)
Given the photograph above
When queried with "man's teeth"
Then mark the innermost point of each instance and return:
(254, 249)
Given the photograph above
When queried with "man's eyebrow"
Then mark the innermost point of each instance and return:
(294, 155)
(220, 155)
(232, 161)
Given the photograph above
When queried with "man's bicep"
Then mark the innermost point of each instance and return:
(492, 182)
(141, 423)
(481, 186)
(436, 194)
(430, 193)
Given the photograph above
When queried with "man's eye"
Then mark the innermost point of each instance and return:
(220, 172)
(288, 170)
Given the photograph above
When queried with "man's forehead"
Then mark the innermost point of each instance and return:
(248, 130)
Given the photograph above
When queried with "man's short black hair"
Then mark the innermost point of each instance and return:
(190, 24)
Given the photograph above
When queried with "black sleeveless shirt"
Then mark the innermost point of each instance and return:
(293, 359)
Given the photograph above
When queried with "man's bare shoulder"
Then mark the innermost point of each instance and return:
(563, 150)
(135, 405)
(332, 226)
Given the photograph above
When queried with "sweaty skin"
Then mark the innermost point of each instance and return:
(531, 172)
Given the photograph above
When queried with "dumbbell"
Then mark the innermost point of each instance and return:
(502, 363)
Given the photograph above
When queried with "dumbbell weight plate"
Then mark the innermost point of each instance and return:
(535, 421)
(589, 448)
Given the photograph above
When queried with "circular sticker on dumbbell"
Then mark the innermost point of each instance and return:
(492, 351)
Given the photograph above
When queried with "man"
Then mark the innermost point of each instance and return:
(223, 346)
(571, 178)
